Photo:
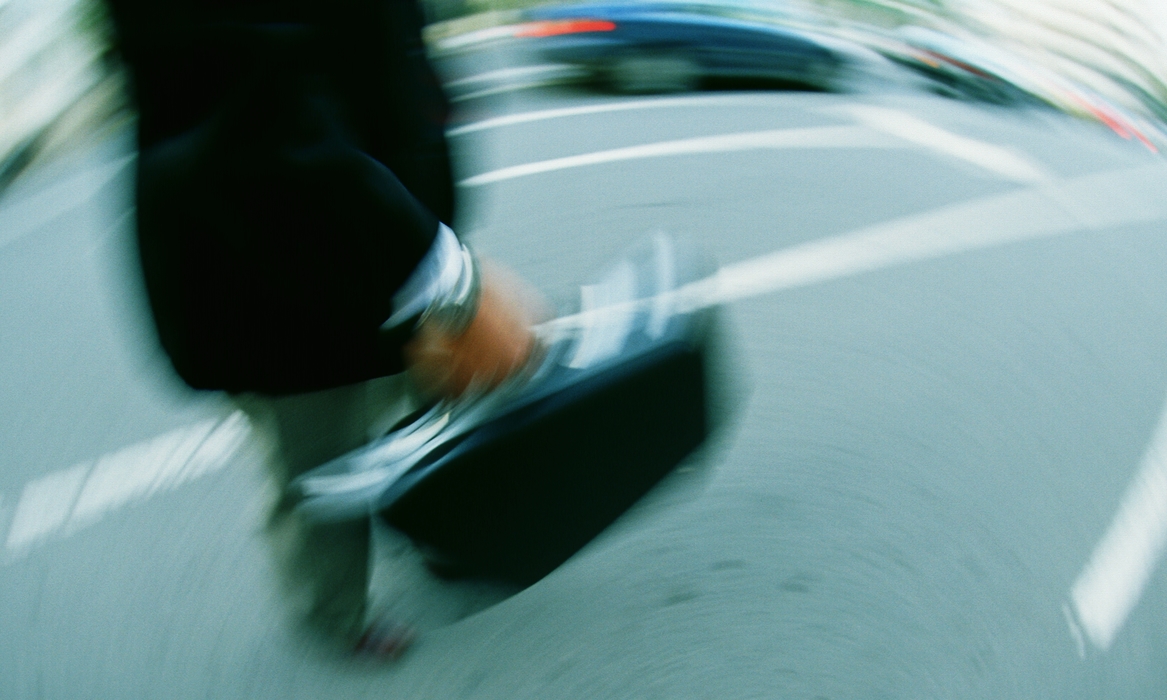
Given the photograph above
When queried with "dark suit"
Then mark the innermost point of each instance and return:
(292, 173)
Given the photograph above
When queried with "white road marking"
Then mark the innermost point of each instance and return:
(620, 106)
(504, 74)
(815, 137)
(476, 37)
(515, 87)
(68, 500)
(1005, 162)
(1092, 202)
(1113, 580)
(904, 128)
(76, 497)
(44, 506)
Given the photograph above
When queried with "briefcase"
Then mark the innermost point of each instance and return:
(510, 484)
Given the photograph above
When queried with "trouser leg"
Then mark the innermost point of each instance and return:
(323, 567)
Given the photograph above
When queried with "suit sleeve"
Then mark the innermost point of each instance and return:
(288, 195)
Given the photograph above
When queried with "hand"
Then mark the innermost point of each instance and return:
(495, 345)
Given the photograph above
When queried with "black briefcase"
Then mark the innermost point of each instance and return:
(511, 484)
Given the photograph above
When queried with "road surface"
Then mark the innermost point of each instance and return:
(942, 478)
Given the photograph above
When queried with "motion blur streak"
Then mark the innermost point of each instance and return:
(815, 137)
(582, 110)
(70, 499)
(1091, 202)
(505, 74)
(1078, 204)
(1113, 580)
(904, 128)
(1003, 161)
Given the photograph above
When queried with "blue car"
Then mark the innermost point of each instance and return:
(656, 47)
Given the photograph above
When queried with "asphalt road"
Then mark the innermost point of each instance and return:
(948, 329)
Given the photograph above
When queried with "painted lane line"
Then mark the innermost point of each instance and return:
(1113, 580)
(815, 137)
(515, 87)
(621, 106)
(505, 74)
(477, 36)
(1093, 202)
(878, 124)
(1004, 162)
(44, 506)
(983, 223)
(71, 499)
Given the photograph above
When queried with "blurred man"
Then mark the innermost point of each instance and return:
(293, 181)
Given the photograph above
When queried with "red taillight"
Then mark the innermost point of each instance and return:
(564, 26)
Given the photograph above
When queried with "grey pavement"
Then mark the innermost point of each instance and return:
(923, 457)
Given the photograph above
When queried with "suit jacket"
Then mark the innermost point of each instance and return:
(292, 173)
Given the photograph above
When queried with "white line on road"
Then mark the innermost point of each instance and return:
(549, 79)
(1002, 161)
(1113, 579)
(44, 506)
(73, 498)
(1092, 202)
(815, 137)
(504, 74)
(620, 106)
(904, 128)
(68, 500)
(476, 37)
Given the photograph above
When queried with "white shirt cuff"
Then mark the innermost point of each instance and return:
(435, 276)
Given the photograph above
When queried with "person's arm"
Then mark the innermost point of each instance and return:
(473, 320)
(292, 174)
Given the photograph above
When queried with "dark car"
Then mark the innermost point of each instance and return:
(657, 47)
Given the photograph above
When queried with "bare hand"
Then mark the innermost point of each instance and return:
(494, 346)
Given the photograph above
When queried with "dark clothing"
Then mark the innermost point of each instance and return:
(292, 172)
(323, 568)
